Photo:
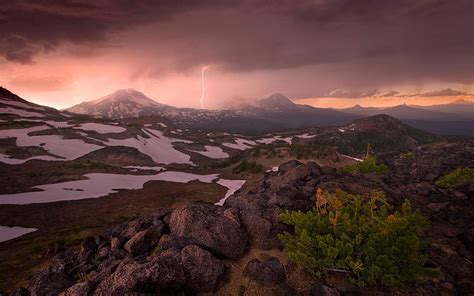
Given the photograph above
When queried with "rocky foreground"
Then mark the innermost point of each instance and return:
(234, 249)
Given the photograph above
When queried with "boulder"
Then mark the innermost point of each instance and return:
(215, 228)
(59, 275)
(203, 271)
(266, 272)
(144, 240)
(79, 289)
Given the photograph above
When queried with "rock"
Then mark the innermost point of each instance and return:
(288, 165)
(437, 206)
(19, 292)
(59, 275)
(267, 272)
(79, 289)
(115, 243)
(213, 227)
(128, 276)
(162, 273)
(103, 252)
(203, 271)
(321, 290)
(144, 240)
(88, 244)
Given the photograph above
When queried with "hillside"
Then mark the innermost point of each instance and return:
(384, 133)
(203, 248)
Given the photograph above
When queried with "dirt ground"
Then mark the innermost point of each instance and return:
(72, 220)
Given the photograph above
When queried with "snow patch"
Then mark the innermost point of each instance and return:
(240, 144)
(19, 104)
(213, 152)
(232, 187)
(273, 139)
(306, 136)
(157, 146)
(19, 112)
(101, 128)
(69, 149)
(8, 233)
(97, 185)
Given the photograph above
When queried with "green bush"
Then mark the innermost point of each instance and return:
(360, 237)
(366, 166)
(457, 177)
(248, 166)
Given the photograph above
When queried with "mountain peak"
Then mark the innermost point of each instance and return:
(128, 94)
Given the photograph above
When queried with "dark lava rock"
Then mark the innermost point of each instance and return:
(144, 240)
(262, 200)
(267, 272)
(213, 227)
(202, 270)
(79, 289)
(56, 278)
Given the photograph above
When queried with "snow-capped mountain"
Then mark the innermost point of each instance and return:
(252, 116)
(121, 104)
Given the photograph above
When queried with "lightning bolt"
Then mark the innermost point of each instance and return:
(203, 87)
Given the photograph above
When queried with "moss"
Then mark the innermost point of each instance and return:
(367, 166)
(457, 177)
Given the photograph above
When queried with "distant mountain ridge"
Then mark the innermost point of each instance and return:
(275, 112)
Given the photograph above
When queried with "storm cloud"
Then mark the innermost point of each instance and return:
(391, 42)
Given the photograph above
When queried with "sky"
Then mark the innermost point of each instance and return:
(61, 53)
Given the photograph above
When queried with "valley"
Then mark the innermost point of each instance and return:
(67, 176)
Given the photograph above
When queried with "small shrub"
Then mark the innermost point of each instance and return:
(457, 177)
(366, 166)
(358, 236)
(248, 166)
(406, 155)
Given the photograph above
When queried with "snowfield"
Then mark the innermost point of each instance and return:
(8, 160)
(158, 147)
(101, 128)
(306, 136)
(232, 187)
(102, 184)
(68, 149)
(240, 144)
(19, 112)
(273, 139)
(19, 104)
(8, 233)
(213, 152)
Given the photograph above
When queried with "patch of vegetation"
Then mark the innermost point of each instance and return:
(406, 155)
(248, 166)
(227, 163)
(367, 166)
(91, 164)
(359, 236)
(40, 247)
(310, 150)
(457, 177)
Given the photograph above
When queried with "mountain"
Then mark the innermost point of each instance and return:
(460, 106)
(383, 132)
(402, 112)
(275, 112)
(449, 119)
(283, 113)
(121, 104)
(15, 106)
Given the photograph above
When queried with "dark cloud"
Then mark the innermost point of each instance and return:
(390, 93)
(352, 94)
(391, 41)
(443, 92)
